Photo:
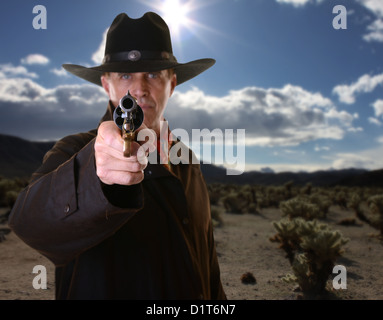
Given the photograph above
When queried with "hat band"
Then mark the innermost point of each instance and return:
(136, 55)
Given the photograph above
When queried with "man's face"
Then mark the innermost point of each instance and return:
(151, 89)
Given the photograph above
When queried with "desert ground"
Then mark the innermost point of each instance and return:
(243, 246)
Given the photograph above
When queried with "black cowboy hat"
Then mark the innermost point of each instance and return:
(139, 45)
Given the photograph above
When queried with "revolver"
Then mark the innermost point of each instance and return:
(128, 116)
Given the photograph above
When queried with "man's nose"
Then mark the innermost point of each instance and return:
(139, 87)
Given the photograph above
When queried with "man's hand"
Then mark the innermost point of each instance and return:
(111, 165)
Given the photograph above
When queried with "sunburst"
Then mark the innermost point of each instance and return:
(175, 13)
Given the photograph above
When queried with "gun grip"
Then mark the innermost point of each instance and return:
(128, 139)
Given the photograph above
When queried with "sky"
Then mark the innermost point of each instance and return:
(302, 78)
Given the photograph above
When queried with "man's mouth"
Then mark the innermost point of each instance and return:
(145, 106)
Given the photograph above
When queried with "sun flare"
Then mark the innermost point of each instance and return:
(175, 13)
(180, 16)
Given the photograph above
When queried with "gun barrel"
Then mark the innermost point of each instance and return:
(128, 103)
(129, 109)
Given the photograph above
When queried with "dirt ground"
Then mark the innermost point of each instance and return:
(243, 246)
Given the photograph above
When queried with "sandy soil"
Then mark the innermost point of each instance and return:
(243, 246)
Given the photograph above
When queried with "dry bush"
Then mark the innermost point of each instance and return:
(216, 215)
(375, 204)
(9, 188)
(301, 206)
(312, 249)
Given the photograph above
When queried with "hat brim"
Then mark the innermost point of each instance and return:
(184, 71)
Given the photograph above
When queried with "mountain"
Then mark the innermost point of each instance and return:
(20, 158)
(214, 174)
(371, 178)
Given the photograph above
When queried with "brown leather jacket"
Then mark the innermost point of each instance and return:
(153, 240)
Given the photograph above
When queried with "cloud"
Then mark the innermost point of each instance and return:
(375, 29)
(367, 159)
(35, 59)
(271, 117)
(60, 72)
(321, 148)
(33, 112)
(374, 121)
(284, 116)
(98, 55)
(364, 84)
(298, 3)
(375, 6)
(378, 107)
(378, 110)
(9, 71)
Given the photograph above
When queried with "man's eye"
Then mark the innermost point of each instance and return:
(125, 76)
(152, 75)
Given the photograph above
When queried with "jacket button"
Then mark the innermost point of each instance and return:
(185, 221)
(67, 209)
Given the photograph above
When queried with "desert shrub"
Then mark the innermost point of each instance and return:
(375, 204)
(288, 186)
(307, 188)
(235, 203)
(263, 201)
(249, 198)
(312, 249)
(301, 207)
(288, 236)
(252, 208)
(10, 198)
(272, 196)
(322, 201)
(216, 215)
(215, 193)
(250, 192)
(241, 199)
(354, 203)
(10, 185)
(340, 198)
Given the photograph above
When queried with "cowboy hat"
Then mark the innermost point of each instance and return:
(139, 45)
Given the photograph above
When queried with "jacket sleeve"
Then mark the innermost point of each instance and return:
(64, 211)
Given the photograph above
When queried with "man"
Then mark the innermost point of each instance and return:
(119, 227)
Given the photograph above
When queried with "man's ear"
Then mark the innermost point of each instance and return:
(105, 83)
(173, 83)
